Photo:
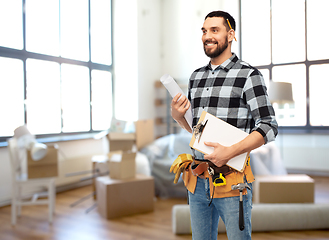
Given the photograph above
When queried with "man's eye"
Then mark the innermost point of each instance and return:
(215, 30)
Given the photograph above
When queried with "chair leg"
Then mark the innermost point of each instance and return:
(54, 196)
(13, 206)
(51, 200)
(50, 207)
(19, 200)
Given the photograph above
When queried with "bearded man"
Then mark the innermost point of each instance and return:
(235, 92)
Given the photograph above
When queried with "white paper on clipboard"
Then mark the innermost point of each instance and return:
(223, 133)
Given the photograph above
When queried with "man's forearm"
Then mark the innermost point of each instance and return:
(251, 142)
(223, 154)
(183, 124)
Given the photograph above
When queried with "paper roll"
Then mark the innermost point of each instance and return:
(173, 89)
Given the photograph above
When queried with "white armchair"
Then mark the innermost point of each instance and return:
(266, 160)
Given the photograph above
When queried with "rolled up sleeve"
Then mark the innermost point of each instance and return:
(260, 107)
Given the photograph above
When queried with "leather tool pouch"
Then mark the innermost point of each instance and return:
(217, 174)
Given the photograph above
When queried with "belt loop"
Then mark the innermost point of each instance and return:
(193, 153)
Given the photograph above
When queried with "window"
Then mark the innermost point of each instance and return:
(286, 41)
(55, 69)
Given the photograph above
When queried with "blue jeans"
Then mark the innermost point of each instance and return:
(205, 218)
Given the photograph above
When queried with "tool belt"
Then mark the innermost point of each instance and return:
(218, 174)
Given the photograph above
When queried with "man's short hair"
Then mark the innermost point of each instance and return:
(224, 15)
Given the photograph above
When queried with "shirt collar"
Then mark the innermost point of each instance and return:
(228, 64)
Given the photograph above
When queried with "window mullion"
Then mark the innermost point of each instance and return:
(90, 67)
(308, 122)
(25, 57)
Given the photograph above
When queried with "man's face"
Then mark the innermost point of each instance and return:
(214, 37)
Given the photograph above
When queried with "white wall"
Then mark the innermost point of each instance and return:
(149, 17)
(125, 41)
(137, 57)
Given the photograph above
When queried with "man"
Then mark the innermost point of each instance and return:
(235, 92)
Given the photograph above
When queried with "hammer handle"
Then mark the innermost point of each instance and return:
(241, 218)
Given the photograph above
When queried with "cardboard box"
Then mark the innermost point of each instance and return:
(121, 141)
(144, 133)
(122, 165)
(119, 198)
(44, 168)
(291, 188)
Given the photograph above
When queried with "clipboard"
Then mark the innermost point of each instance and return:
(217, 130)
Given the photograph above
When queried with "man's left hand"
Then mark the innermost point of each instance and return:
(220, 156)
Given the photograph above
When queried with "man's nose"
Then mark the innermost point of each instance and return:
(207, 36)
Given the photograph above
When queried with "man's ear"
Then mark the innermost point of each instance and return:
(231, 35)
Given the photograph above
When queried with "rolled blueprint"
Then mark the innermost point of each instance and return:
(173, 88)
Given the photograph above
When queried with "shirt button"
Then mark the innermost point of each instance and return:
(213, 72)
(207, 89)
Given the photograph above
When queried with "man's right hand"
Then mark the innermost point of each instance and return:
(179, 107)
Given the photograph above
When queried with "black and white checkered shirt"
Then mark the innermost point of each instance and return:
(236, 93)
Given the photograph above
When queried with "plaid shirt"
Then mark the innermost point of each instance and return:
(236, 93)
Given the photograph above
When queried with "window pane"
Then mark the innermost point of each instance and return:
(266, 75)
(288, 31)
(319, 85)
(101, 31)
(11, 24)
(317, 36)
(256, 35)
(292, 114)
(11, 95)
(42, 26)
(43, 96)
(75, 30)
(75, 98)
(101, 99)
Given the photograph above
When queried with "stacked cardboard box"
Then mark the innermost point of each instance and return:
(119, 198)
(291, 188)
(45, 167)
(123, 147)
(144, 133)
(122, 163)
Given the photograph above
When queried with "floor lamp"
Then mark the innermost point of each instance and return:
(27, 140)
(280, 93)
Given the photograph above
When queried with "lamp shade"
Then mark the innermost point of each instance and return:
(27, 140)
(21, 131)
(23, 136)
(38, 151)
(280, 92)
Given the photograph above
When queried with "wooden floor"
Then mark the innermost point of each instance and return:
(74, 223)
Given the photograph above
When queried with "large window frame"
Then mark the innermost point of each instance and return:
(23, 55)
(308, 128)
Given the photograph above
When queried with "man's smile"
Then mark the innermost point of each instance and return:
(209, 44)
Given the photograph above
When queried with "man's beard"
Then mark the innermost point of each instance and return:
(218, 51)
